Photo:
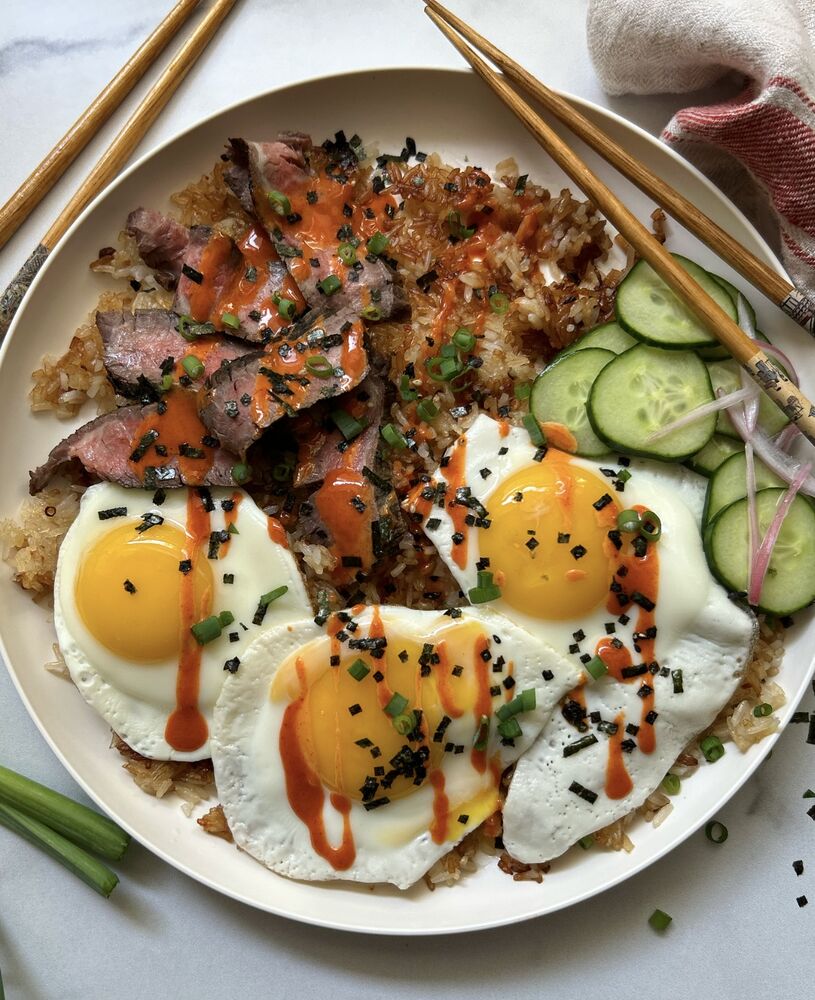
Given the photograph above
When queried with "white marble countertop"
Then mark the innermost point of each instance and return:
(737, 930)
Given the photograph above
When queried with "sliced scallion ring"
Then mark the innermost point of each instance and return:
(279, 202)
(286, 308)
(347, 253)
(650, 526)
(241, 473)
(716, 832)
(404, 723)
(499, 303)
(372, 313)
(192, 366)
(463, 339)
(406, 391)
(628, 521)
(763, 710)
(230, 320)
(712, 748)
(377, 243)
(427, 410)
(320, 366)
(347, 425)
(393, 436)
(672, 784)
(330, 284)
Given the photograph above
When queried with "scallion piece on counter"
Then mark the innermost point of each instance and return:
(320, 366)
(377, 243)
(672, 784)
(279, 202)
(596, 668)
(499, 303)
(536, 435)
(286, 308)
(510, 729)
(427, 410)
(358, 670)
(273, 595)
(713, 749)
(659, 920)
(206, 630)
(629, 521)
(87, 867)
(393, 436)
(762, 710)
(485, 590)
(716, 832)
(650, 526)
(396, 705)
(330, 284)
(347, 253)
(241, 473)
(372, 313)
(464, 339)
(406, 391)
(85, 827)
(230, 320)
(523, 390)
(192, 366)
(347, 425)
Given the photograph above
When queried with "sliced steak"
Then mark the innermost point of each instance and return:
(162, 243)
(246, 396)
(305, 197)
(142, 347)
(162, 444)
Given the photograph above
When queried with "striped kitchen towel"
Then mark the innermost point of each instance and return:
(758, 146)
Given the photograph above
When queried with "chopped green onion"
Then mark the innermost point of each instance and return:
(358, 670)
(347, 253)
(427, 410)
(762, 710)
(464, 339)
(192, 330)
(225, 618)
(523, 702)
(457, 227)
(320, 366)
(712, 748)
(586, 842)
(482, 734)
(206, 630)
(628, 520)
(377, 243)
(510, 729)
(448, 351)
(404, 723)
(396, 705)
(407, 393)
(650, 526)
(536, 435)
(78, 823)
(273, 595)
(166, 383)
(330, 284)
(393, 436)
(241, 473)
(88, 868)
(671, 783)
(286, 308)
(485, 590)
(596, 668)
(523, 390)
(499, 303)
(231, 320)
(347, 425)
(716, 832)
(623, 475)
(659, 920)
(279, 202)
(372, 313)
(442, 368)
(192, 366)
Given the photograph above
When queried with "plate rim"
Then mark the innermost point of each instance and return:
(687, 830)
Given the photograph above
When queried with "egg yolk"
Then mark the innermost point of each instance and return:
(547, 542)
(128, 591)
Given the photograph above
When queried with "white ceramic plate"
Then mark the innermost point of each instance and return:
(454, 113)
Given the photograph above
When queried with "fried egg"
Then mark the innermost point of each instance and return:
(659, 645)
(156, 600)
(366, 748)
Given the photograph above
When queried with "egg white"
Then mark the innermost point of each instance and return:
(393, 843)
(699, 630)
(136, 699)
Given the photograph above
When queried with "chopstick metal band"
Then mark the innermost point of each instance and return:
(801, 306)
(20, 283)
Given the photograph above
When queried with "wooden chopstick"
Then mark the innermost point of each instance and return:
(115, 156)
(795, 302)
(40, 181)
(774, 383)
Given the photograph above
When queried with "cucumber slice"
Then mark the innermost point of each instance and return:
(790, 581)
(560, 392)
(644, 389)
(734, 293)
(729, 483)
(648, 310)
(718, 448)
(608, 336)
(725, 375)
